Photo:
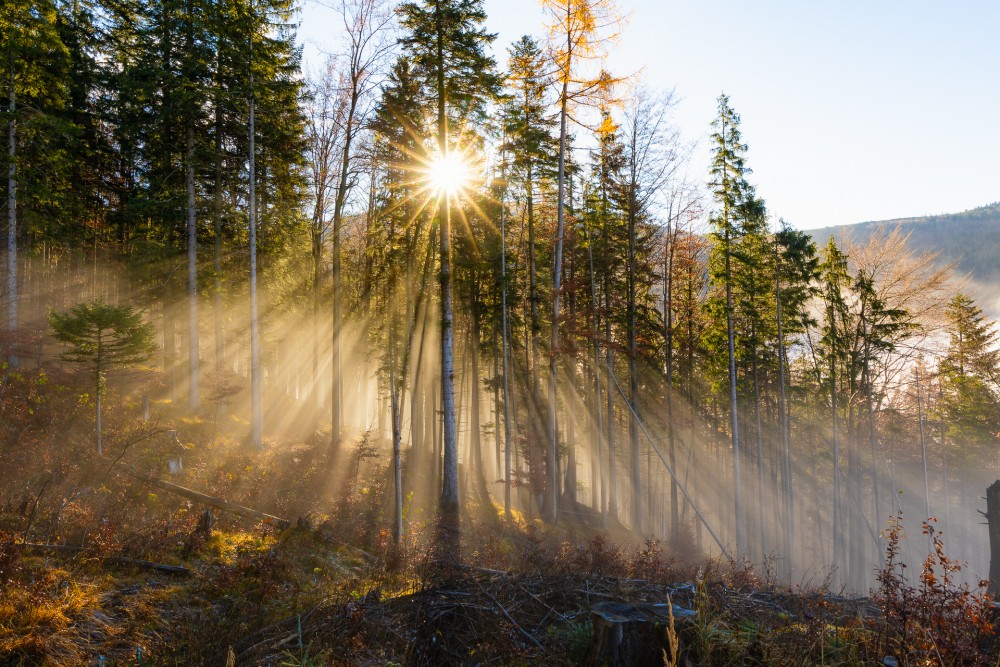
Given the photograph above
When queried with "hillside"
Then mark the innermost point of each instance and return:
(970, 239)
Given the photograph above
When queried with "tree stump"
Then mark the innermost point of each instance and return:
(638, 635)
(993, 519)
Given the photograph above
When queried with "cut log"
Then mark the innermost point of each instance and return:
(637, 635)
(993, 519)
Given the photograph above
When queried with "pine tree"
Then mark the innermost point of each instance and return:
(834, 281)
(103, 337)
(33, 67)
(970, 378)
(448, 46)
(730, 190)
(530, 142)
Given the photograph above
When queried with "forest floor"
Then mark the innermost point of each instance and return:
(100, 565)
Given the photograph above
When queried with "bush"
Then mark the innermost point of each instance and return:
(937, 621)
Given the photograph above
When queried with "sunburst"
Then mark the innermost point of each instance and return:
(449, 174)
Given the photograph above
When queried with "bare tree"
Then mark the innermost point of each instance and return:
(367, 25)
(652, 157)
(324, 122)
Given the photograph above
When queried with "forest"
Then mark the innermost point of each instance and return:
(423, 355)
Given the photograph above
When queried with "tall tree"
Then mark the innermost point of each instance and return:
(730, 190)
(448, 46)
(651, 153)
(834, 278)
(970, 378)
(579, 31)
(528, 129)
(33, 66)
(366, 25)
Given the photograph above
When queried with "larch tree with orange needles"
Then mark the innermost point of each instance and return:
(579, 33)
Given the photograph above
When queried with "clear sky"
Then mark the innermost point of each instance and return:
(852, 110)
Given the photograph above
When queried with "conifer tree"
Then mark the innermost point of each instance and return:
(579, 30)
(834, 281)
(103, 337)
(970, 376)
(448, 46)
(33, 68)
(530, 142)
(730, 190)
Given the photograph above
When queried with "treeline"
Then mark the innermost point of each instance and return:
(653, 348)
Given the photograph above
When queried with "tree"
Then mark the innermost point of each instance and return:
(447, 43)
(530, 143)
(834, 280)
(366, 23)
(579, 30)
(33, 66)
(970, 378)
(103, 337)
(651, 154)
(730, 190)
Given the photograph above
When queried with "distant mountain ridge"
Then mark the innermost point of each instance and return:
(970, 239)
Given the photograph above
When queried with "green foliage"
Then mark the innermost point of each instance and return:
(970, 371)
(103, 336)
(446, 41)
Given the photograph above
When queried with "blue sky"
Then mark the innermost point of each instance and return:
(852, 110)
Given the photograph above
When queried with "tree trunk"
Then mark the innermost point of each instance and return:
(220, 341)
(12, 223)
(449, 485)
(668, 337)
(506, 366)
(633, 354)
(552, 497)
(608, 363)
(733, 406)
(194, 396)
(598, 408)
(336, 414)
(397, 433)
(256, 400)
(783, 411)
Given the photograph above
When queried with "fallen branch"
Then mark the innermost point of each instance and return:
(509, 618)
(218, 503)
(119, 560)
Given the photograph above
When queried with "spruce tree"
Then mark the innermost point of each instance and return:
(970, 378)
(448, 43)
(33, 68)
(730, 190)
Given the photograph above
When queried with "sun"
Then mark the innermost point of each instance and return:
(448, 174)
